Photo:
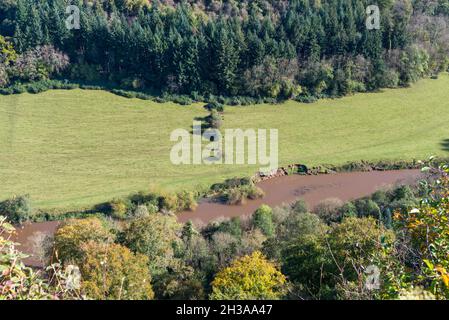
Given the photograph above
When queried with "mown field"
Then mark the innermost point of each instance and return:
(70, 149)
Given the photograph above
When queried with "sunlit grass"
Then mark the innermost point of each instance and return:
(76, 148)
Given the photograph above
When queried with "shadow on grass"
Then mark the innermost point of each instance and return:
(445, 145)
(204, 125)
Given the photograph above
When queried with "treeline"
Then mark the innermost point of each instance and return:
(276, 49)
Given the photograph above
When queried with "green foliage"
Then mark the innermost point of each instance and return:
(232, 227)
(300, 206)
(332, 264)
(113, 272)
(235, 191)
(118, 208)
(263, 219)
(69, 238)
(250, 277)
(429, 233)
(202, 48)
(7, 53)
(153, 236)
(329, 210)
(348, 210)
(214, 106)
(16, 209)
(367, 208)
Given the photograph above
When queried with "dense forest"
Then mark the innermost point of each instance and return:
(302, 49)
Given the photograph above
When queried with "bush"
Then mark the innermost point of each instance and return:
(329, 210)
(4, 78)
(306, 99)
(300, 206)
(367, 208)
(182, 100)
(380, 197)
(123, 93)
(119, 208)
(214, 106)
(16, 209)
(186, 201)
(18, 88)
(252, 192)
(232, 226)
(403, 192)
(263, 219)
(348, 210)
(234, 196)
(238, 195)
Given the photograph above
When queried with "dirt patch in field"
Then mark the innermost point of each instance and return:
(312, 189)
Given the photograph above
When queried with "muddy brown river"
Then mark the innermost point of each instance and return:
(278, 191)
(312, 189)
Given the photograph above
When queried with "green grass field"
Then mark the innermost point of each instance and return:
(71, 149)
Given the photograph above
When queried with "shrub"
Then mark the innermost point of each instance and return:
(263, 219)
(329, 210)
(235, 191)
(142, 198)
(232, 226)
(306, 99)
(348, 210)
(403, 192)
(118, 208)
(186, 201)
(214, 106)
(132, 83)
(252, 192)
(380, 197)
(123, 93)
(183, 100)
(367, 208)
(234, 196)
(7, 52)
(300, 206)
(16, 209)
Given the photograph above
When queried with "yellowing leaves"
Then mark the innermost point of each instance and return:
(249, 277)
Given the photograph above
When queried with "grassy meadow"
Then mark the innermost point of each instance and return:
(70, 149)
